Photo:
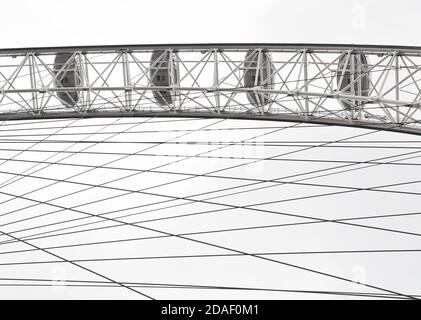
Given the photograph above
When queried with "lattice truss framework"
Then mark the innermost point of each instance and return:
(344, 85)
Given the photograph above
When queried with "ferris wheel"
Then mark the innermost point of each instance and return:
(210, 171)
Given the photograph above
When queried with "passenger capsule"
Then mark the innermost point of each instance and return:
(67, 74)
(161, 72)
(258, 72)
(355, 71)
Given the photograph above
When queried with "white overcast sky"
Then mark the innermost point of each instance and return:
(26, 23)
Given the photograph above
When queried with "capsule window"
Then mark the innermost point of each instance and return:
(253, 79)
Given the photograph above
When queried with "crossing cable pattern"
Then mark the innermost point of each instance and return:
(202, 204)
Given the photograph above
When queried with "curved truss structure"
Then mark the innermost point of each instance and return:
(363, 86)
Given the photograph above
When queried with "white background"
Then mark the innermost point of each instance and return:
(26, 23)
